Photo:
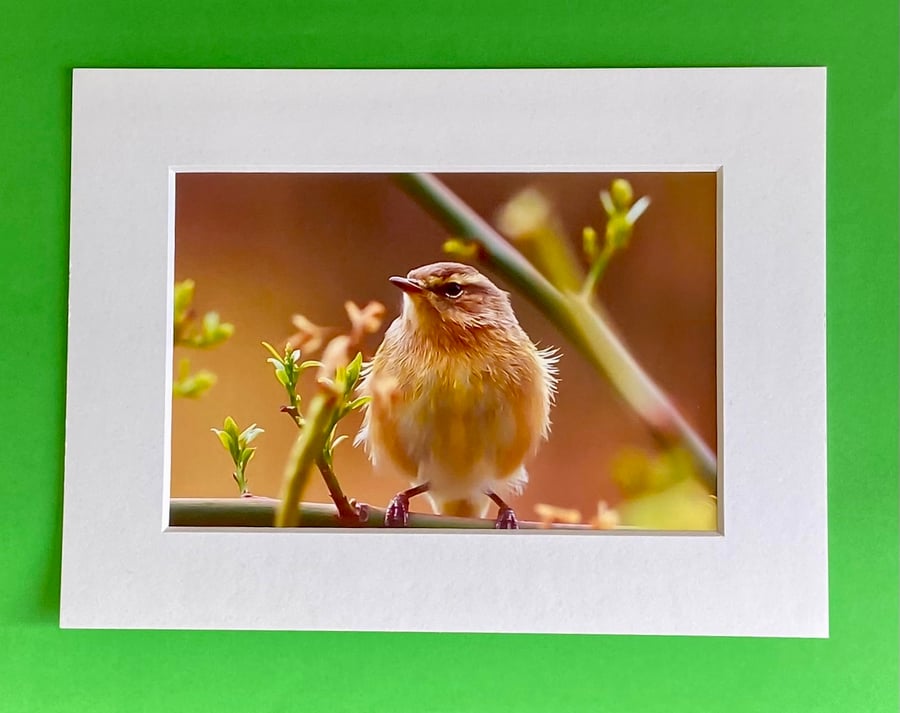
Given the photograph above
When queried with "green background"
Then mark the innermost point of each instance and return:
(48, 669)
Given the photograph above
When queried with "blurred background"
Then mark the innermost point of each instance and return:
(263, 247)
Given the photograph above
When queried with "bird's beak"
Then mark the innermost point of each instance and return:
(409, 286)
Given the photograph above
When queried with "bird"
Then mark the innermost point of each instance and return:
(460, 397)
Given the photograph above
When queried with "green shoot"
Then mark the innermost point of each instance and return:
(346, 379)
(192, 386)
(622, 212)
(236, 443)
(288, 369)
(211, 332)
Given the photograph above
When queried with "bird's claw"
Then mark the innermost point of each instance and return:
(360, 509)
(506, 520)
(397, 513)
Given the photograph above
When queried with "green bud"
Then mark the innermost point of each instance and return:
(466, 249)
(231, 428)
(621, 193)
(353, 369)
(210, 323)
(618, 231)
(589, 242)
(193, 386)
(183, 296)
(224, 331)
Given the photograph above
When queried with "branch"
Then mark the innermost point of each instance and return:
(260, 512)
(331, 482)
(304, 454)
(571, 313)
(341, 501)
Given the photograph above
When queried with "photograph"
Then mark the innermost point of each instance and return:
(466, 368)
(487, 351)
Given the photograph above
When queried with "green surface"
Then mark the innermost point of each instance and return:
(855, 670)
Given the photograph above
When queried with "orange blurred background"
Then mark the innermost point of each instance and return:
(262, 247)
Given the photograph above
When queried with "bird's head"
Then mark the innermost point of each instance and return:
(453, 297)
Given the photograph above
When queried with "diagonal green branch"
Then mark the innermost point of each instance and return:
(572, 314)
(304, 454)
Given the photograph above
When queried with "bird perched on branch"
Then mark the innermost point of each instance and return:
(460, 396)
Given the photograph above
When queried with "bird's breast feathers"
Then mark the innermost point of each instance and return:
(457, 419)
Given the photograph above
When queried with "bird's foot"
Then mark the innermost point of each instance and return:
(397, 513)
(506, 519)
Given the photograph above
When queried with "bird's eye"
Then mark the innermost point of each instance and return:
(452, 290)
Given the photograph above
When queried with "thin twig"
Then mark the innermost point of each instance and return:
(588, 331)
(596, 272)
(341, 501)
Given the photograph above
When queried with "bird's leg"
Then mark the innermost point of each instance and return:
(397, 513)
(506, 516)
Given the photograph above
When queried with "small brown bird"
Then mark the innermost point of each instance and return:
(460, 395)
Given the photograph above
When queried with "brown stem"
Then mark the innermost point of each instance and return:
(341, 501)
